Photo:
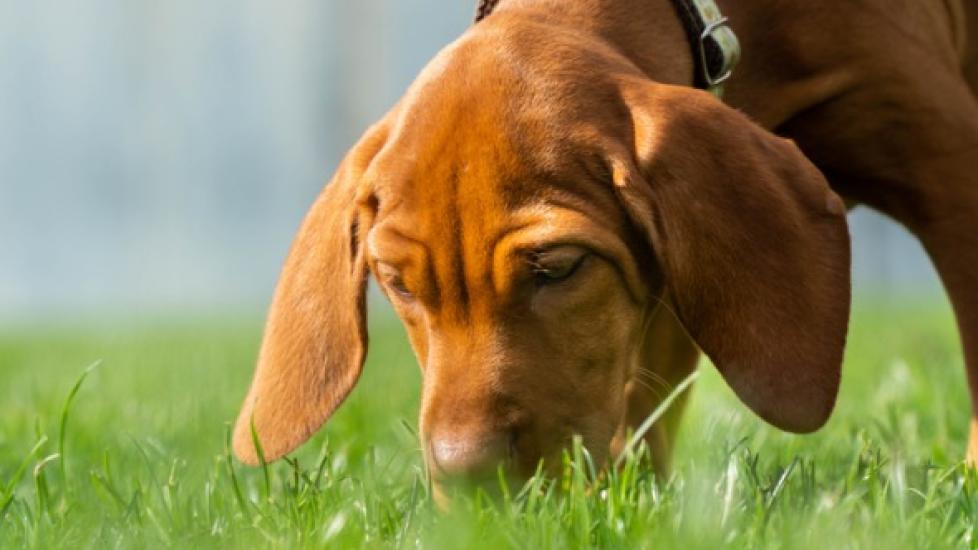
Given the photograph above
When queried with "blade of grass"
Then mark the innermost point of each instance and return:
(19, 473)
(730, 484)
(261, 457)
(151, 472)
(105, 481)
(100, 481)
(5, 508)
(64, 418)
(655, 416)
(235, 486)
(41, 486)
(779, 485)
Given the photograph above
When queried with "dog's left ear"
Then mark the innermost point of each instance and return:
(752, 243)
(315, 338)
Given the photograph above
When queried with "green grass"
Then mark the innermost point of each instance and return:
(138, 456)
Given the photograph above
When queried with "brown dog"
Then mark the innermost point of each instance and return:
(551, 196)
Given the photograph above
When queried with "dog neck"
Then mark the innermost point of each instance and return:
(648, 32)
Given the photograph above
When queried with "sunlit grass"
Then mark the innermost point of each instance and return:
(137, 456)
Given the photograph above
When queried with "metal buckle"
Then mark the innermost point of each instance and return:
(727, 65)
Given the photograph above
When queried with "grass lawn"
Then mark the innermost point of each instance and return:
(143, 460)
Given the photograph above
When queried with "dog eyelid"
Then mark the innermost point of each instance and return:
(558, 269)
(391, 277)
(398, 285)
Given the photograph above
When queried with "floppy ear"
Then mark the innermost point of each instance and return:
(315, 336)
(752, 243)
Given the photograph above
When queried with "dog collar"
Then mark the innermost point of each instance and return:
(716, 49)
(484, 8)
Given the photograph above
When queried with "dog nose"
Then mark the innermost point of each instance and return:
(470, 458)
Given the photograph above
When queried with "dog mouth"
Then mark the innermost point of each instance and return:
(515, 460)
(513, 478)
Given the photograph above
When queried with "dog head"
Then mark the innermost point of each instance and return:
(525, 208)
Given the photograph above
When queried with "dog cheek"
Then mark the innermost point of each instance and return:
(597, 402)
(417, 330)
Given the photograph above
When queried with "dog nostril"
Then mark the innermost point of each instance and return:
(456, 457)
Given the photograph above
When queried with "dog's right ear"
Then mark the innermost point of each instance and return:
(315, 336)
(752, 244)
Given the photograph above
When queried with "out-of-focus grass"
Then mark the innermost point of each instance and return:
(145, 462)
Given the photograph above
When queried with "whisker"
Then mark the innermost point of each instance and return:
(645, 384)
(660, 379)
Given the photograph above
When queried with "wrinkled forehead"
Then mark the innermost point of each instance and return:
(484, 137)
(468, 159)
(483, 183)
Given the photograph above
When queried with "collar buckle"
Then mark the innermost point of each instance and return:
(730, 57)
(716, 45)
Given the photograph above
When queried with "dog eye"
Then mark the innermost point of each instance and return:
(554, 268)
(392, 279)
(397, 285)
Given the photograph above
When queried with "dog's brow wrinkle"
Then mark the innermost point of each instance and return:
(459, 254)
(355, 237)
(395, 233)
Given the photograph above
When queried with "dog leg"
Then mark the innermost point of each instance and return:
(667, 358)
(910, 151)
(952, 243)
(947, 226)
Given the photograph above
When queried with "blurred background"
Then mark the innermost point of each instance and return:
(156, 157)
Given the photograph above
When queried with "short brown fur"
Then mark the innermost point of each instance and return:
(563, 137)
